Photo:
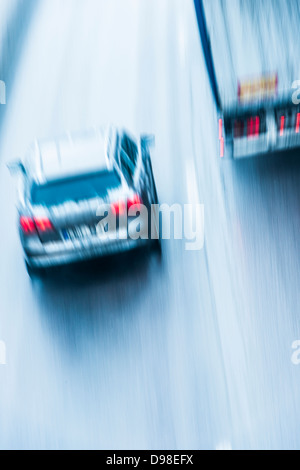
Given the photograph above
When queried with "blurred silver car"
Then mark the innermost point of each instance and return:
(70, 185)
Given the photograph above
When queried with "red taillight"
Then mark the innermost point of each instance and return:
(282, 121)
(134, 201)
(250, 127)
(221, 138)
(220, 128)
(253, 124)
(118, 208)
(222, 145)
(43, 224)
(27, 225)
(298, 123)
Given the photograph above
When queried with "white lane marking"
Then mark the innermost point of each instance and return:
(191, 181)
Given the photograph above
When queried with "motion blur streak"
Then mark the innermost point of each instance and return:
(187, 353)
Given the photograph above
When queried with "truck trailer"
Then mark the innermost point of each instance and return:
(252, 54)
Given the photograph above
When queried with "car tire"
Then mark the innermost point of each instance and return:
(156, 246)
(33, 272)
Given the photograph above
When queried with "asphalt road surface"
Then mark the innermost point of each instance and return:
(188, 352)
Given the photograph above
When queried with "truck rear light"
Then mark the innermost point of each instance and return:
(253, 126)
(222, 146)
(297, 123)
(27, 225)
(221, 138)
(43, 224)
(282, 125)
(220, 128)
(247, 126)
(257, 126)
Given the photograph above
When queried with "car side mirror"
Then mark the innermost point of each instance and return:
(16, 167)
(148, 140)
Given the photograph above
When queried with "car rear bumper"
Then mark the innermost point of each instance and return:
(62, 253)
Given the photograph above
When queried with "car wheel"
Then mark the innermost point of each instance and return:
(33, 272)
(156, 246)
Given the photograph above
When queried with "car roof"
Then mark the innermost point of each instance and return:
(69, 155)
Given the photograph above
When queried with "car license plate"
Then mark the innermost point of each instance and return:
(77, 233)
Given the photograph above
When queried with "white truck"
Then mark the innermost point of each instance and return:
(252, 53)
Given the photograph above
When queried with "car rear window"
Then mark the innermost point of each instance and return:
(75, 189)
